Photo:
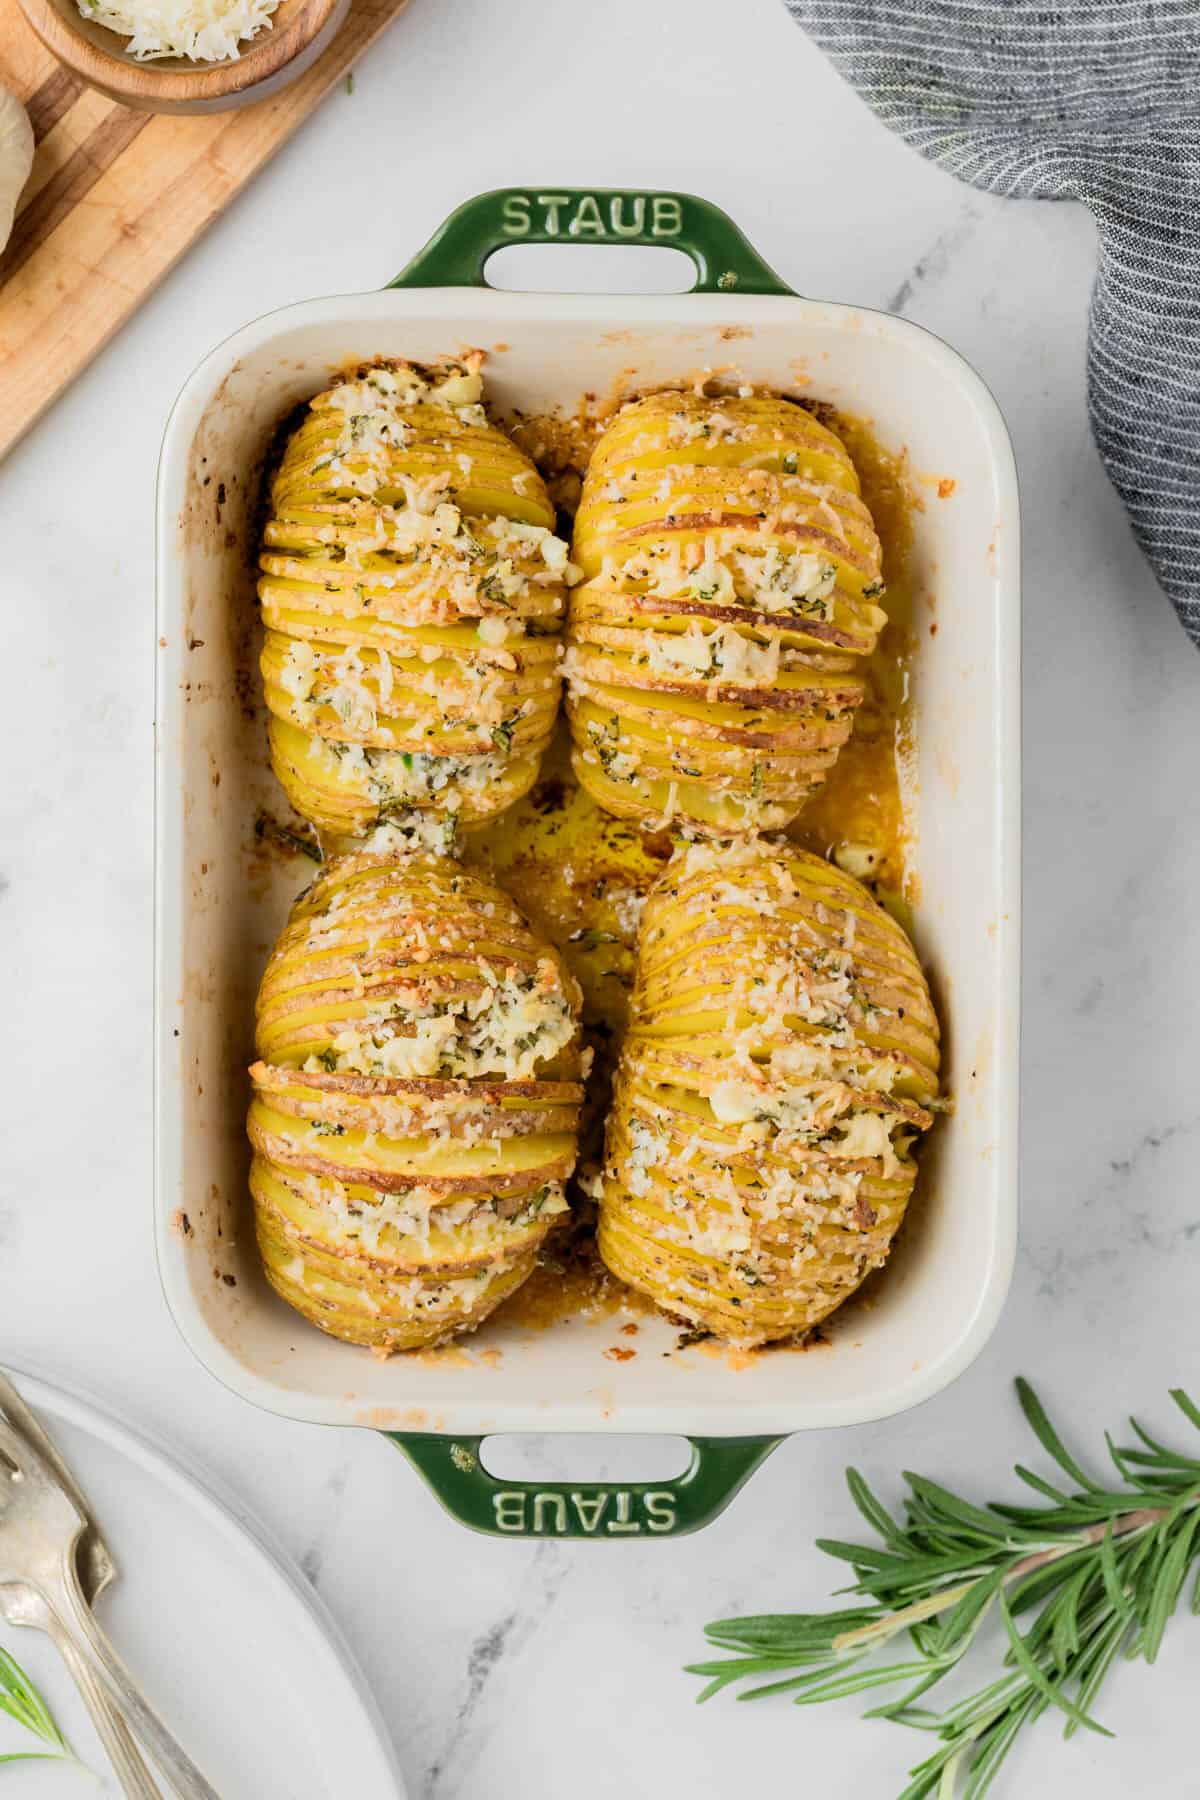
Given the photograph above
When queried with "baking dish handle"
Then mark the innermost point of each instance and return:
(602, 1510)
(457, 253)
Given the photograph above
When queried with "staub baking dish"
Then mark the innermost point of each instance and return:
(221, 898)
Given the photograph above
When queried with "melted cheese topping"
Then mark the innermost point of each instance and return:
(720, 575)
(507, 1031)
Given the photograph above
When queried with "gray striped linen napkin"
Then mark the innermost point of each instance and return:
(1096, 101)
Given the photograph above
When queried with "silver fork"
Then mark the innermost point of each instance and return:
(23, 1604)
(40, 1530)
(96, 1571)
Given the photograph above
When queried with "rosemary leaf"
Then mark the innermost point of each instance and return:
(22, 1702)
(1049, 1439)
(874, 1511)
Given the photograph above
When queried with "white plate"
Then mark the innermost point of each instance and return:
(219, 1626)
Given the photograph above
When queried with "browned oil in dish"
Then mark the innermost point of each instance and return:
(570, 1282)
(579, 874)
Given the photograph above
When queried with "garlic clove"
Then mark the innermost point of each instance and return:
(16, 158)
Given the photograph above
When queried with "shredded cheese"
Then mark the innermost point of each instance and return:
(201, 30)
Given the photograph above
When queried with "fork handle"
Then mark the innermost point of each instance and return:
(122, 1689)
(124, 1755)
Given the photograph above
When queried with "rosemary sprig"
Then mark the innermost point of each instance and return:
(1093, 1573)
(22, 1702)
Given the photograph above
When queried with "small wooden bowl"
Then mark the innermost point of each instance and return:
(300, 31)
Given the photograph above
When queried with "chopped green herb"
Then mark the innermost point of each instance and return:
(591, 939)
(270, 831)
(491, 588)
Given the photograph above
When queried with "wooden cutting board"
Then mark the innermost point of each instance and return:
(116, 197)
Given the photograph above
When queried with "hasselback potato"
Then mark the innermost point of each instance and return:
(416, 1100)
(412, 590)
(730, 577)
(782, 1060)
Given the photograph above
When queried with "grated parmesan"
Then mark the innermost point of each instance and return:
(201, 30)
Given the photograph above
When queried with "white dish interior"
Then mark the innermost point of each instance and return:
(221, 897)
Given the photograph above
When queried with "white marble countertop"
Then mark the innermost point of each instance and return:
(507, 1669)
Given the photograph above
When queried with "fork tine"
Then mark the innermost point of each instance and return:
(25, 1461)
(40, 1525)
(97, 1564)
(26, 1424)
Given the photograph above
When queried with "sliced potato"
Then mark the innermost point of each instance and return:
(416, 1102)
(413, 591)
(781, 1062)
(716, 645)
